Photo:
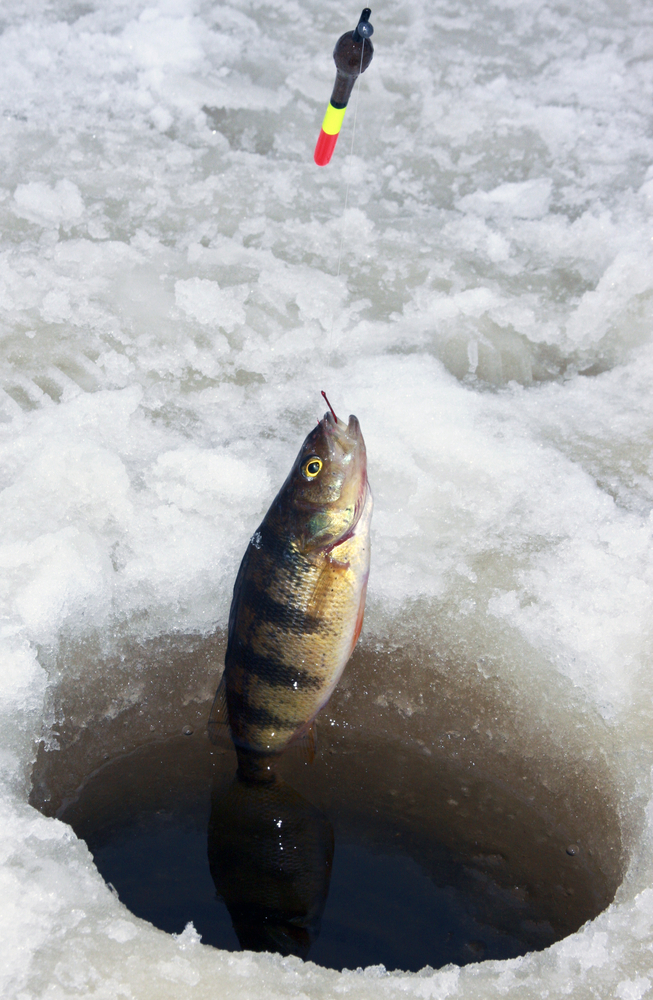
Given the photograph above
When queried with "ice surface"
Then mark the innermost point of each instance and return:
(170, 309)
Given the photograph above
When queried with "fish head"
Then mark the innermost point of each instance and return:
(328, 482)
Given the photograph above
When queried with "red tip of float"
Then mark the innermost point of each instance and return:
(324, 148)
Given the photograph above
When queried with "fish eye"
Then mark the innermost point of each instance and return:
(311, 467)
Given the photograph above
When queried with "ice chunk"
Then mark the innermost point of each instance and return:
(38, 202)
(210, 305)
(526, 200)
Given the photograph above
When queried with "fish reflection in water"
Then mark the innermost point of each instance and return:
(270, 854)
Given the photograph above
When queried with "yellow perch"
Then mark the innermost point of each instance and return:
(299, 597)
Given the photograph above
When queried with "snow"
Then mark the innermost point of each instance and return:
(171, 306)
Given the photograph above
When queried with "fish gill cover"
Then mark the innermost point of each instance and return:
(170, 308)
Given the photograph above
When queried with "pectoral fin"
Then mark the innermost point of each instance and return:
(305, 742)
(308, 742)
(329, 579)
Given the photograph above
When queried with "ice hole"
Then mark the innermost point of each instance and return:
(464, 829)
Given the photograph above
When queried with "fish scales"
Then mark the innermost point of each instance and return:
(299, 596)
(286, 663)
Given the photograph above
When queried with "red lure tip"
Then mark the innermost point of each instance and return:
(329, 405)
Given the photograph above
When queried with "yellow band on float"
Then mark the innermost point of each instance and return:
(333, 120)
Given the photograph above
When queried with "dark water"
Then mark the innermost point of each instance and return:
(323, 865)
(381, 908)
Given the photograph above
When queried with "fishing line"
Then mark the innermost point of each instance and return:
(349, 162)
(347, 186)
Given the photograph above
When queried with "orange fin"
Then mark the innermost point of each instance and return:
(218, 716)
(306, 743)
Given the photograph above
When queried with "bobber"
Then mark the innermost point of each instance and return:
(352, 55)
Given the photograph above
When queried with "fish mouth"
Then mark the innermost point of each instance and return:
(346, 439)
(346, 442)
(354, 428)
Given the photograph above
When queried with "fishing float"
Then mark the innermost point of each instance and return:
(352, 55)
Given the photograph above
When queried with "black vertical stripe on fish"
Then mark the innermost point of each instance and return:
(288, 617)
(274, 672)
(258, 716)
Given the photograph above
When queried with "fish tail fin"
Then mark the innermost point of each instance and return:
(218, 724)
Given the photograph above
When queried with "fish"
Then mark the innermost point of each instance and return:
(270, 853)
(299, 599)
